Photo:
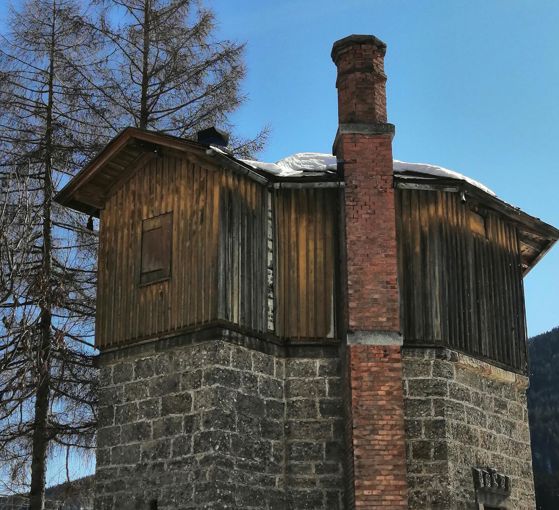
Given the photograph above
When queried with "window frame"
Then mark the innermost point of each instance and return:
(163, 222)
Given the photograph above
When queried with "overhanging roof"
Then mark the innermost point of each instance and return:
(132, 148)
(535, 236)
(120, 159)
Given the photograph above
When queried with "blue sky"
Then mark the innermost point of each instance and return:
(472, 85)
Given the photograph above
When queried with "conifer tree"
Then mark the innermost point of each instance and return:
(164, 70)
(46, 373)
(70, 80)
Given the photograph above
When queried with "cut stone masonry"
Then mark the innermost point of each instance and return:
(461, 412)
(217, 425)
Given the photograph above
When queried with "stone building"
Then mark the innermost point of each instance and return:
(326, 332)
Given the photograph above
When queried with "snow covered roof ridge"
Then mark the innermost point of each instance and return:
(403, 167)
(297, 164)
(304, 163)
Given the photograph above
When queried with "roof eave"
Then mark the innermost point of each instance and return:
(67, 196)
(540, 256)
(511, 211)
(64, 196)
(514, 214)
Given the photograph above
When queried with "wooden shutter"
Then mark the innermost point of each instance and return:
(156, 249)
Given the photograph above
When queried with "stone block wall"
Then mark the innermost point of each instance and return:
(218, 425)
(314, 433)
(463, 413)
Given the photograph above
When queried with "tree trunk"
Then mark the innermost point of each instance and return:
(144, 114)
(42, 400)
(40, 439)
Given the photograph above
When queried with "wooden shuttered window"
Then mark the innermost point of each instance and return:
(156, 249)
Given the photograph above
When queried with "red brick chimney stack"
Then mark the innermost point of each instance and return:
(377, 463)
(361, 80)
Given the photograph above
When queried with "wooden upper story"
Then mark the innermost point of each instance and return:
(191, 237)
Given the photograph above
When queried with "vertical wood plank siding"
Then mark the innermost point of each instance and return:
(243, 211)
(305, 226)
(213, 276)
(461, 277)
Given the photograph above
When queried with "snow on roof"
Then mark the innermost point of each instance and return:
(297, 164)
(402, 168)
(306, 163)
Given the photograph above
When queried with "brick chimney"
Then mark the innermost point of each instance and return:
(375, 414)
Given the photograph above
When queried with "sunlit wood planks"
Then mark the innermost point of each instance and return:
(460, 277)
(305, 229)
(127, 310)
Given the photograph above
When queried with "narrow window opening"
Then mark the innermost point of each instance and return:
(155, 264)
(478, 223)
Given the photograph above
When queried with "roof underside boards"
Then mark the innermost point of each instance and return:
(132, 148)
(536, 237)
(128, 151)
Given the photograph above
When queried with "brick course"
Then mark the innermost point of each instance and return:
(379, 460)
(376, 464)
(361, 81)
(372, 269)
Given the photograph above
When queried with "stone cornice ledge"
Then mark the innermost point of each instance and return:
(374, 338)
(356, 128)
(492, 372)
(467, 362)
(219, 331)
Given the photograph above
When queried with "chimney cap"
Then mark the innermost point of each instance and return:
(213, 136)
(355, 39)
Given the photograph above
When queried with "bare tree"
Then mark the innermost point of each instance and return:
(67, 84)
(47, 377)
(164, 70)
(17, 236)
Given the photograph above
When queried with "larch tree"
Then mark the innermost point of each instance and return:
(68, 83)
(164, 70)
(47, 377)
(17, 236)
